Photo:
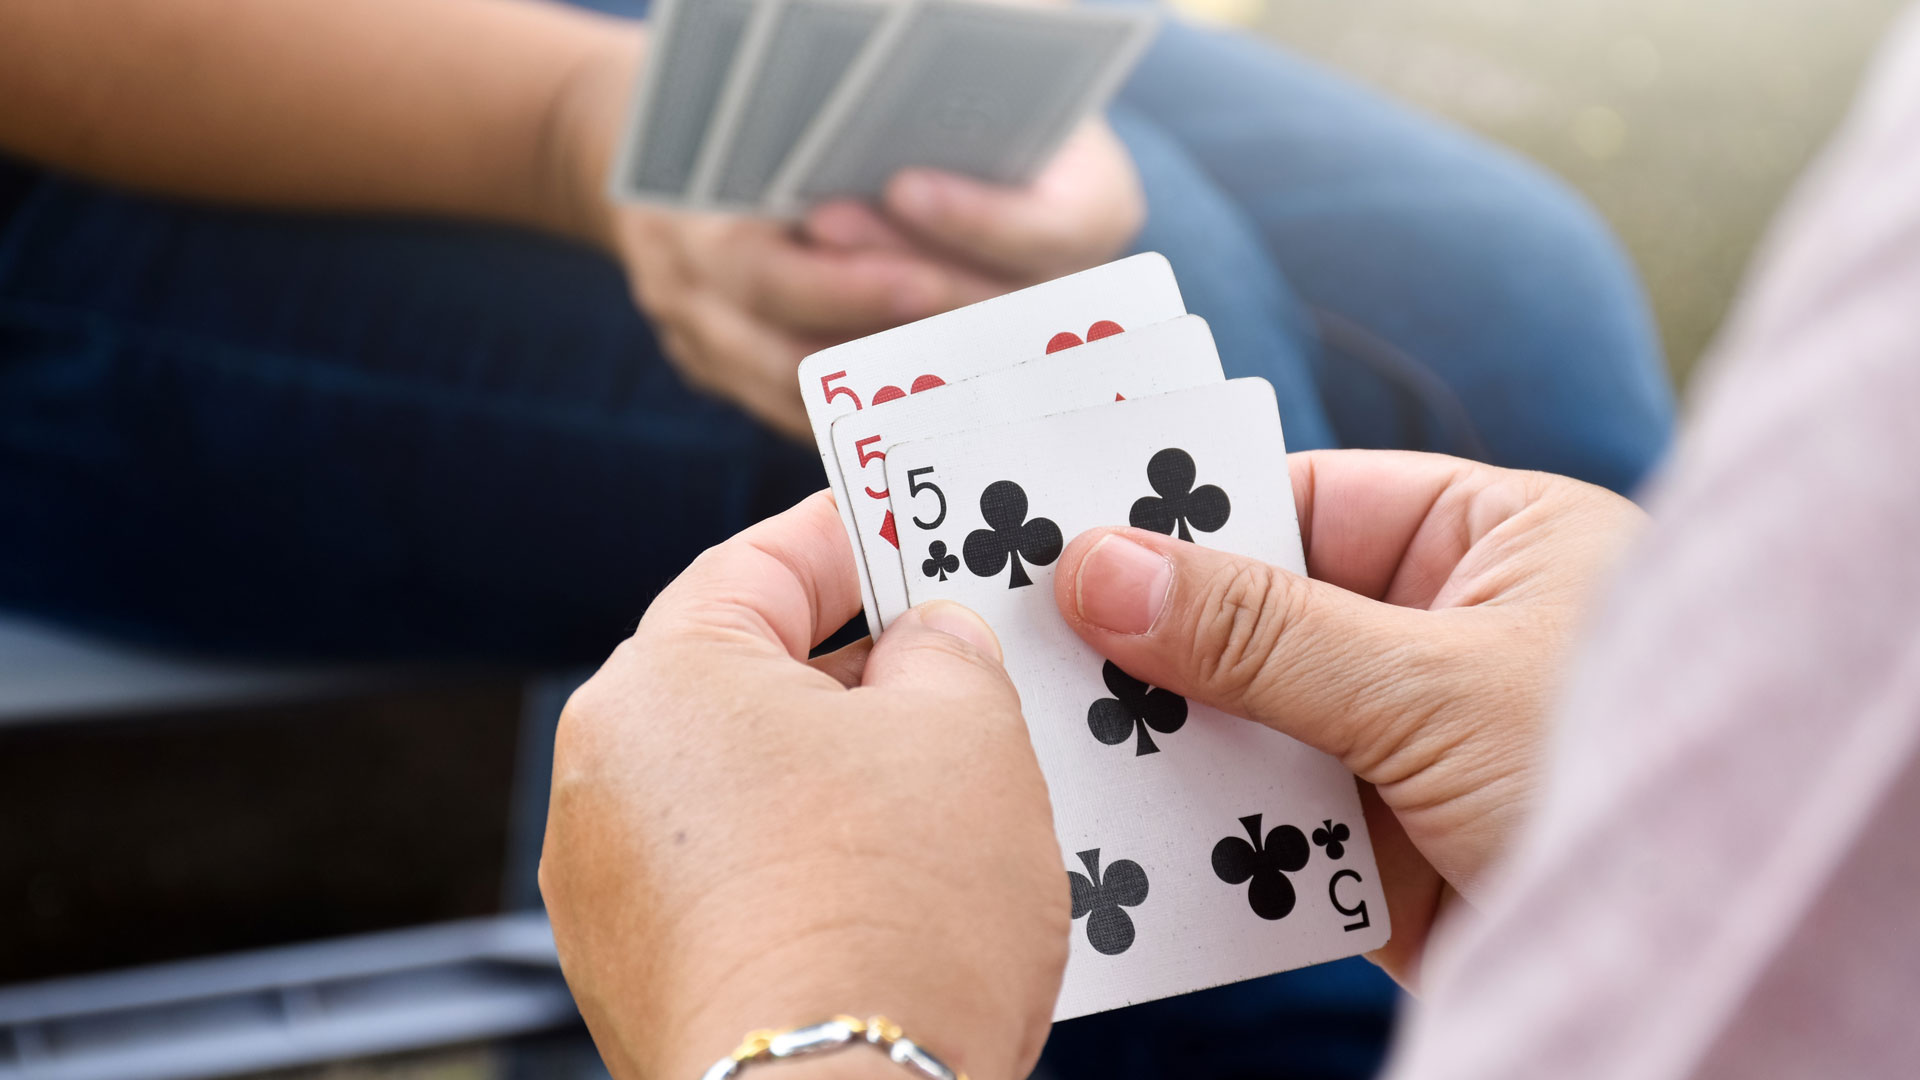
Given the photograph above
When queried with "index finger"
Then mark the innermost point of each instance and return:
(784, 584)
(1393, 525)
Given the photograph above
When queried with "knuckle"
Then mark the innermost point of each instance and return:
(1246, 612)
(574, 735)
(601, 701)
(947, 650)
(964, 680)
(591, 702)
(975, 672)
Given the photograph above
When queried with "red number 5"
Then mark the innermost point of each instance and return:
(835, 391)
(866, 456)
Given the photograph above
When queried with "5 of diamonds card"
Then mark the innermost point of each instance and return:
(1200, 849)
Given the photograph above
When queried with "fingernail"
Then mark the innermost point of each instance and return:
(960, 621)
(1122, 586)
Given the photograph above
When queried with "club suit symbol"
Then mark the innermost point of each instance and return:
(1010, 536)
(1099, 899)
(1134, 708)
(1171, 473)
(1264, 866)
(1332, 837)
(940, 562)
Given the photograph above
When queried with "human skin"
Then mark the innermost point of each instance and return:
(743, 838)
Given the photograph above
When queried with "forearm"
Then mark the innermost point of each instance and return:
(439, 106)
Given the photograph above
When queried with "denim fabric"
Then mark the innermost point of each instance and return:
(1436, 265)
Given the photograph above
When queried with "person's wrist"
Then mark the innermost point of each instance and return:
(853, 1063)
(857, 1062)
(583, 127)
(853, 971)
(750, 966)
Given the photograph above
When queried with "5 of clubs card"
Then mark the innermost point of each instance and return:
(1200, 849)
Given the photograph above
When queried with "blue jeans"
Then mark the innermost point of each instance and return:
(310, 435)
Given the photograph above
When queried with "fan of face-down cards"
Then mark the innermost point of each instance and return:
(768, 106)
(964, 451)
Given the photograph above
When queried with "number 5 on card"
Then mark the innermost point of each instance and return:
(1172, 355)
(893, 365)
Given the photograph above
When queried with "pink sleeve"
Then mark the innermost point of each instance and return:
(1723, 879)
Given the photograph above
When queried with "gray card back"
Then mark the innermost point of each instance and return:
(988, 90)
(812, 45)
(688, 60)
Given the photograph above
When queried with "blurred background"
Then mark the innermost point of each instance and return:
(1685, 122)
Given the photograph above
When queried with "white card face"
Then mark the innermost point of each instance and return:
(1155, 800)
(1133, 292)
(1172, 355)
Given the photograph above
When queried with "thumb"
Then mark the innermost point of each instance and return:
(941, 647)
(1331, 668)
(1005, 230)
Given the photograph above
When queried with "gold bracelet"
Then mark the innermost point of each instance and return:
(825, 1038)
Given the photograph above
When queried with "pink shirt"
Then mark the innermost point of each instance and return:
(1723, 880)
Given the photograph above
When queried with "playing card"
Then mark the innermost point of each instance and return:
(1128, 294)
(792, 60)
(988, 90)
(1200, 849)
(729, 107)
(1171, 355)
(689, 55)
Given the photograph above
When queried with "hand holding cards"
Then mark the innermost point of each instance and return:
(964, 451)
(768, 106)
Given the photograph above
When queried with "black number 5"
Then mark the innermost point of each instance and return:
(1359, 908)
(915, 487)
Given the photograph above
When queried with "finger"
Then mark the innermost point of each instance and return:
(1312, 660)
(1392, 525)
(846, 664)
(783, 584)
(1083, 203)
(765, 270)
(846, 225)
(942, 648)
(1008, 231)
(813, 290)
(733, 355)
